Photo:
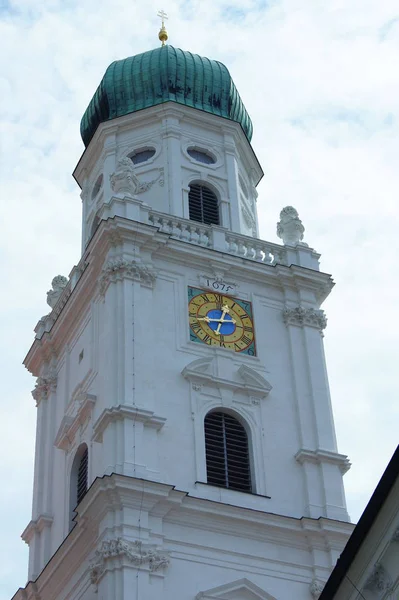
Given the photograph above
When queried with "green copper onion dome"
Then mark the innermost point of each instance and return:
(162, 75)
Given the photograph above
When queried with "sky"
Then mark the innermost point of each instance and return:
(320, 80)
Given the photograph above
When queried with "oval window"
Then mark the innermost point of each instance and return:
(201, 156)
(142, 155)
(97, 186)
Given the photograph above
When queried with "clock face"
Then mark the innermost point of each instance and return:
(218, 320)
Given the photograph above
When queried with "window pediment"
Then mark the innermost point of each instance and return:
(220, 371)
(242, 589)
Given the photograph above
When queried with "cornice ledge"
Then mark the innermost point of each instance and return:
(323, 456)
(30, 592)
(297, 277)
(117, 413)
(302, 317)
(117, 269)
(36, 526)
(70, 425)
(133, 552)
(203, 370)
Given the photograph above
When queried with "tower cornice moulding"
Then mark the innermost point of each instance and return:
(118, 269)
(167, 110)
(118, 413)
(302, 317)
(323, 456)
(36, 526)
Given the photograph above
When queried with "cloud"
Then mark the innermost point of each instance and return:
(320, 83)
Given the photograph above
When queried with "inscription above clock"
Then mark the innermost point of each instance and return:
(219, 320)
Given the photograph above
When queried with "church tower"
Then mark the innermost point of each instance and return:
(185, 442)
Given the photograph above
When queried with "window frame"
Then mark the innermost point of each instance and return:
(209, 188)
(249, 449)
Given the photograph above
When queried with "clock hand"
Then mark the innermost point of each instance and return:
(225, 309)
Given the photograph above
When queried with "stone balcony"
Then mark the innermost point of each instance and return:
(222, 240)
(213, 237)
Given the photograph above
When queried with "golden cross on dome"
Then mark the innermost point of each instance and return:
(163, 34)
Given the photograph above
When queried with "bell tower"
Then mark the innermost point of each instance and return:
(185, 440)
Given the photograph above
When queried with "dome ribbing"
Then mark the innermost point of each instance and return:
(163, 75)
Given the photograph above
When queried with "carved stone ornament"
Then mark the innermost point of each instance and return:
(118, 268)
(395, 537)
(44, 386)
(248, 216)
(316, 588)
(58, 284)
(305, 316)
(379, 581)
(134, 553)
(124, 181)
(290, 228)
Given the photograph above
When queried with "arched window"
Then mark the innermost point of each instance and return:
(94, 226)
(79, 479)
(81, 486)
(227, 453)
(203, 205)
(97, 186)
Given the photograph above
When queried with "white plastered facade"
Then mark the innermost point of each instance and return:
(117, 371)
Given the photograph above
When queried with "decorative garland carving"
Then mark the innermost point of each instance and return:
(379, 580)
(125, 182)
(395, 537)
(44, 386)
(248, 216)
(316, 587)
(305, 316)
(134, 553)
(119, 268)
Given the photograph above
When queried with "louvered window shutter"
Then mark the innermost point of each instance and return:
(227, 455)
(82, 476)
(203, 205)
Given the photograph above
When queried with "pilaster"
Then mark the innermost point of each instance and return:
(171, 134)
(234, 222)
(322, 466)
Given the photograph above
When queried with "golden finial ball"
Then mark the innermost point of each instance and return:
(163, 35)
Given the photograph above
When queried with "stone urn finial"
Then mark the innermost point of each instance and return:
(58, 285)
(290, 228)
(124, 181)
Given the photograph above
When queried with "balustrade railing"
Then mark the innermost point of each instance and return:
(182, 229)
(218, 238)
(255, 249)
